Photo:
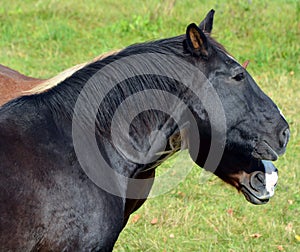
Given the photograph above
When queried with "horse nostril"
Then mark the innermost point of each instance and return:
(284, 137)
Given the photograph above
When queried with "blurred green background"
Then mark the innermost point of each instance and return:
(42, 38)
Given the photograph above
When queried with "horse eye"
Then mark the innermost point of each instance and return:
(239, 76)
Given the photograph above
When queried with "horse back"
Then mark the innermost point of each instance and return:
(12, 83)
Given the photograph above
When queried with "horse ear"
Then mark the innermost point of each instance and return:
(207, 23)
(196, 41)
(245, 64)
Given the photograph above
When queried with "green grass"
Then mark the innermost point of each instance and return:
(42, 38)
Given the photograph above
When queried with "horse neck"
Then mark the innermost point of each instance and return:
(122, 121)
(87, 89)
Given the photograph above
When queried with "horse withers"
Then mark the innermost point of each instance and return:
(14, 84)
(77, 158)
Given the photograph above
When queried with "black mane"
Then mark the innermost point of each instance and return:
(61, 99)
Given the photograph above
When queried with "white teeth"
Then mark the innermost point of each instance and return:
(271, 181)
(271, 176)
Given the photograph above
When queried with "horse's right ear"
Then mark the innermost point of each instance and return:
(207, 23)
(196, 41)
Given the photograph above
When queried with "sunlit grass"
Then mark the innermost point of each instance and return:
(42, 38)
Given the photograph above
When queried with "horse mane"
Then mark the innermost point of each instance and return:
(54, 81)
(66, 92)
(59, 94)
(73, 79)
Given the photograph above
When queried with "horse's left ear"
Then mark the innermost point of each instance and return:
(196, 41)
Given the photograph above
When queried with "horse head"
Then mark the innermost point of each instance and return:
(256, 131)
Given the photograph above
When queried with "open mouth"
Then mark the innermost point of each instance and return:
(259, 186)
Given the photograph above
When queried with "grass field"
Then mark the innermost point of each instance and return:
(42, 38)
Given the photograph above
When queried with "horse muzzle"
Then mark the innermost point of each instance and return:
(271, 150)
(259, 186)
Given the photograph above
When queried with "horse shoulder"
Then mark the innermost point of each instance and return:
(47, 201)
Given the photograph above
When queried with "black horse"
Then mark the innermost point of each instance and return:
(77, 159)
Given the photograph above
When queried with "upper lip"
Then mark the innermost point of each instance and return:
(271, 149)
(263, 150)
